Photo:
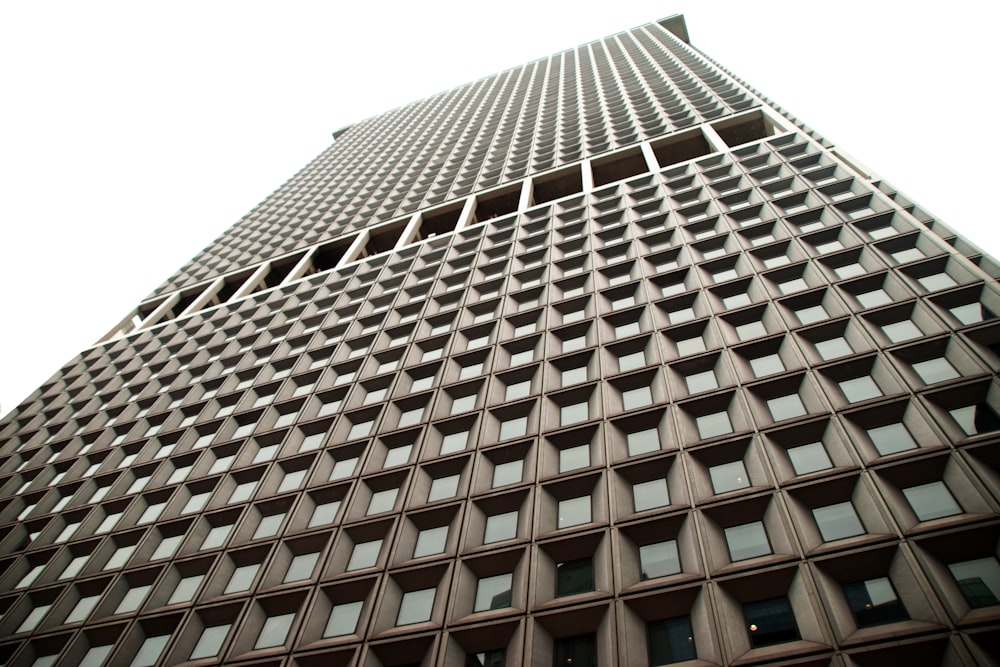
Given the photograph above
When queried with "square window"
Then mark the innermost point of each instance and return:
(642, 442)
(416, 606)
(838, 521)
(493, 592)
(301, 567)
(574, 511)
(660, 559)
(679, 316)
(812, 314)
(770, 622)
(860, 389)
(397, 456)
(748, 540)
(786, 407)
(931, 501)
(971, 313)
(670, 641)
(850, 271)
(454, 442)
(382, 501)
(574, 577)
(714, 424)
(891, 438)
(793, 285)
(874, 602)
(689, 346)
(729, 477)
(431, 541)
(630, 361)
(210, 642)
(463, 404)
(500, 527)
(637, 398)
(704, 381)
(571, 458)
(897, 332)
(766, 365)
(935, 370)
(518, 390)
(513, 428)
(343, 619)
(422, 383)
(650, 495)
(833, 348)
(629, 329)
(575, 343)
(573, 376)
(274, 631)
(979, 581)
(508, 473)
(472, 370)
(874, 298)
(343, 468)
(443, 487)
(324, 513)
(809, 458)
(365, 554)
(572, 414)
(750, 330)
(736, 300)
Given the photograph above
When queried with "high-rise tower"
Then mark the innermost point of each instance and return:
(600, 360)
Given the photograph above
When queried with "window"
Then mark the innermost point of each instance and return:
(931, 501)
(833, 348)
(241, 579)
(267, 527)
(33, 618)
(874, 298)
(670, 640)
(500, 527)
(714, 424)
(770, 622)
(343, 468)
(793, 285)
(431, 541)
(150, 651)
(509, 472)
(659, 559)
(343, 619)
(874, 602)
(454, 442)
(572, 458)
(897, 332)
(574, 511)
(935, 370)
(186, 588)
(631, 360)
(891, 438)
(651, 494)
(518, 390)
(365, 554)
(492, 658)
(747, 540)
(692, 345)
(574, 577)
(704, 381)
(729, 477)
(838, 521)
(301, 567)
(493, 592)
(572, 414)
(133, 599)
(749, 330)
(416, 606)
(462, 404)
(641, 442)
(324, 513)
(979, 581)
(580, 651)
(812, 314)
(976, 419)
(210, 642)
(971, 313)
(397, 456)
(274, 631)
(382, 501)
(513, 428)
(636, 398)
(766, 365)
(860, 389)
(786, 407)
(575, 343)
(809, 458)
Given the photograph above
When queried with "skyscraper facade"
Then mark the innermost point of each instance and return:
(605, 359)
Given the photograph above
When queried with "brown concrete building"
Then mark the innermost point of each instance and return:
(602, 360)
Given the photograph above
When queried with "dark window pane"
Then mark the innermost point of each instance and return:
(574, 576)
(770, 622)
(492, 658)
(579, 651)
(874, 602)
(670, 641)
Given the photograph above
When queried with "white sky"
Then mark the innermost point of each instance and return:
(134, 133)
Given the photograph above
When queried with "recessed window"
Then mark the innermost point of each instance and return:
(670, 641)
(150, 651)
(186, 588)
(976, 419)
(809, 458)
(580, 651)
(935, 370)
(462, 404)
(431, 541)
(454, 442)
(572, 414)
(850, 271)
(574, 511)
(931, 501)
(833, 348)
(688, 346)
(838, 521)
(891, 438)
(637, 398)
(747, 540)
(382, 501)
(770, 622)
(649, 495)
(766, 365)
(301, 567)
(572, 458)
(274, 632)
(493, 658)
(979, 581)
(704, 381)
(874, 602)
(897, 332)
(574, 577)
(573, 376)
(714, 424)
(507, 473)
(860, 389)
(786, 407)
(729, 477)
(343, 468)
(500, 527)
(575, 343)
(627, 329)
(793, 285)
(642, 442)
(631, 361)
(749, 330)
(324, 513)
(416, 606)
(443, 487)
(812, 314)
(343, 619)
(493, 592)
(268, 526)
(360, 430)
(514, 428)
(660, 559)
(874, 298)
(210, 642)
(971, 313)
(365, 554)
(517, 390)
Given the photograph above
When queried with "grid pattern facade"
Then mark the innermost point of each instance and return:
(740, 409)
